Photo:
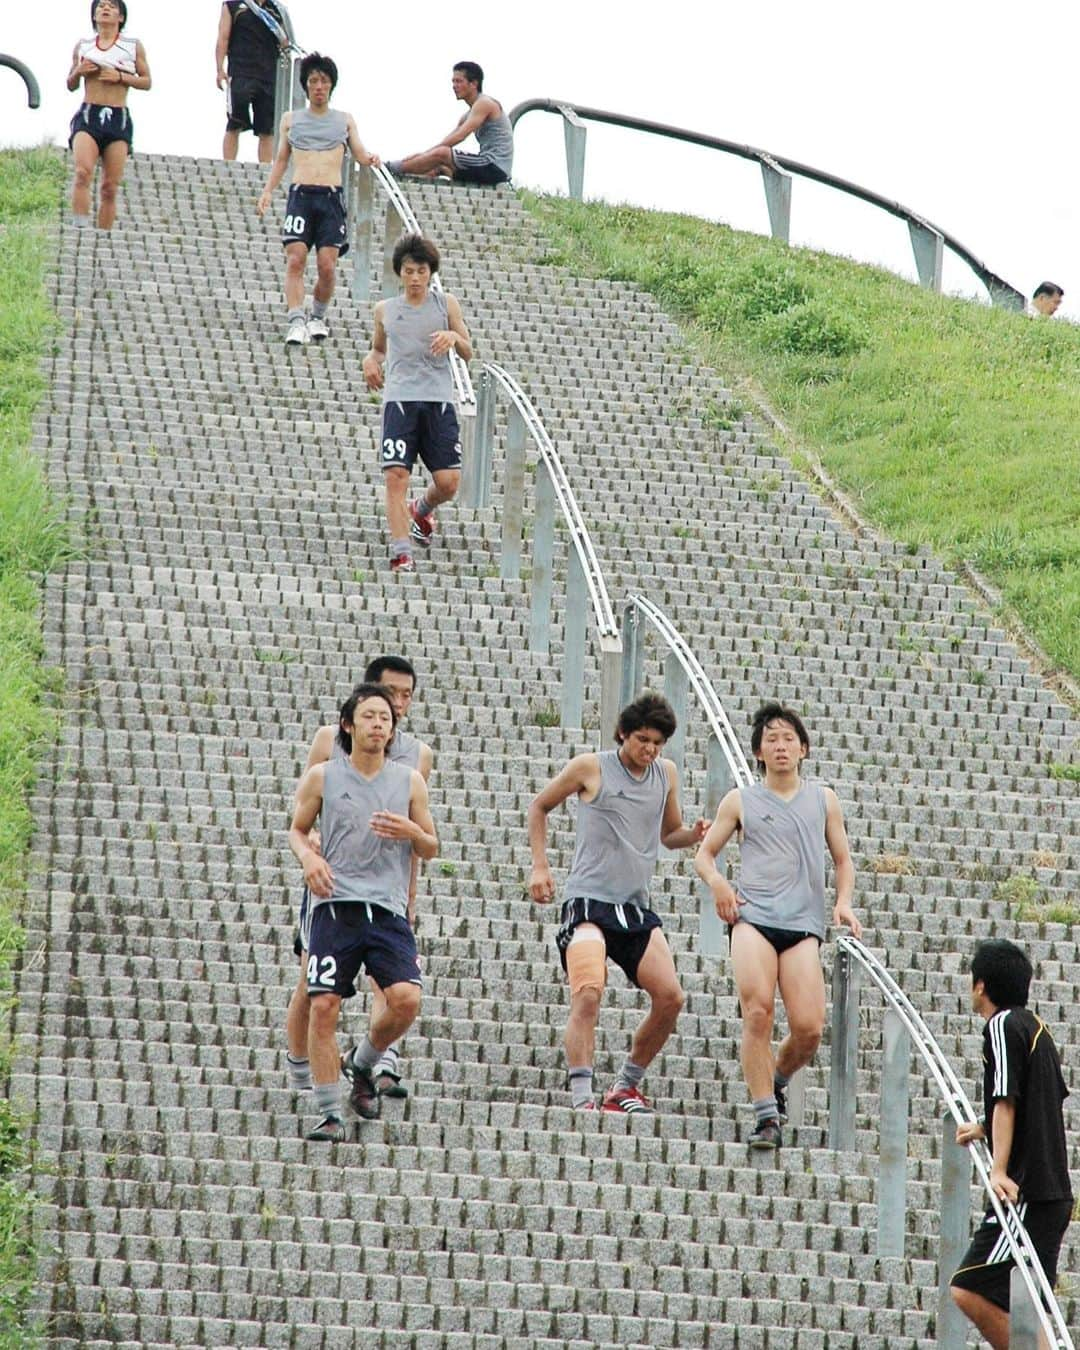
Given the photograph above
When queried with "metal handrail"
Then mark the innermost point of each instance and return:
(927, 238)
(953, 1095)
(33, 93)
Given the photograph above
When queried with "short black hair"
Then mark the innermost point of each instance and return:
(650, 710)
(120, 5)
(419, 249)
(1004, 970)
(398, 664)
(1048, 288)
(361, 692)
(316, 61)
(471, 71)
(776, 712)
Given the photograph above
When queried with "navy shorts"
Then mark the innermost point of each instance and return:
(315, 216)
(103, 123)
(426, 430)
(987, 1265)
(780, 939)
(477, 169)
(627, 930)
(344, 936)
(250, 106)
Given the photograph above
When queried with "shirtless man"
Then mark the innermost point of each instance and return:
(315, 212)
(109, 65)
(485, 120)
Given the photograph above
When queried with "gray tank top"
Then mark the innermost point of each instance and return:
(496, 141)
(365, 867)
(308, 132)
(782, 859)
(413, 375)
(404, 749)
(618, 834)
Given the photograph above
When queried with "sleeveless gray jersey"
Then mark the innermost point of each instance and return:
(404, 749)
(618, 834)
(496, 141)
(782, 858)
(365, 867)
(413, 375)
(325, 132)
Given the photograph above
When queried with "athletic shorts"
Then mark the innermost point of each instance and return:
(250, 106)
(477, 169)
(987, 1265)
(315, 216)
(626, 929)
(426, 430)
(105, 124)
(780, 939)
(345, 936)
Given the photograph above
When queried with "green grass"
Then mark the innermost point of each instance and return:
(32, 540)
(951, 425)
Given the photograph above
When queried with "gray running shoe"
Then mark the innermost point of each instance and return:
(297, 333)
(318, 329)
(329, 1130)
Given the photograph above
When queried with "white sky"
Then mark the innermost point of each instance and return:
(960, 110)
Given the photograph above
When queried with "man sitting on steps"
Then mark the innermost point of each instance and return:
(485, 120)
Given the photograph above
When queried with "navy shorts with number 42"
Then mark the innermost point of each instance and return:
(343, 937)
(428, 431)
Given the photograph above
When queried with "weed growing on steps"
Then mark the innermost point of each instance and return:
(953, 425)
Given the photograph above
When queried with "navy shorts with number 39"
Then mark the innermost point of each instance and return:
(428, 431)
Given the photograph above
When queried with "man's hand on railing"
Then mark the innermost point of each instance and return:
(1003, 1185)
(970, 1132)
(844, 914)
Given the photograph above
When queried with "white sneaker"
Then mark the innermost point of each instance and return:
(318, 329)
(297, 334)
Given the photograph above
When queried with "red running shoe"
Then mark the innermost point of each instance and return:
(423, 527)
(628, 1101)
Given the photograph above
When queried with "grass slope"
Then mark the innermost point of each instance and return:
(950, 424)
(32, 540)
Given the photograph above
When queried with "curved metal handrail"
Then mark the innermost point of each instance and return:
(564, 496)
(466, 395)
(956, 1099)
(701, 685)
(996, 285)
(33, 93)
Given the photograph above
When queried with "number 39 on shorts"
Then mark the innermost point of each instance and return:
(394, 451)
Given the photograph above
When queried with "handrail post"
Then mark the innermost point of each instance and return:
(610, 677)
(928, 247)
(711, 928)
(391, 234)
(892, 1171)
(574, 133)
(362, 206)
(1023, 1318)
(955, 1221)
(573, 682)
(1006, 297)
(543, 552)
(777, 198)
(513, 496)
(796, 1098)
(476, 465)
(676, 689)
(847, 977)
(633, 659)
(282, 88)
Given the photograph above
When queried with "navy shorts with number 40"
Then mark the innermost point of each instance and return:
(345, 935)
(315, 216)
(428, 431)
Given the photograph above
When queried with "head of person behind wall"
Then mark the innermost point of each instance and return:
(1047, 298)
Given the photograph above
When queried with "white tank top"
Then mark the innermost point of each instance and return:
(119, 56)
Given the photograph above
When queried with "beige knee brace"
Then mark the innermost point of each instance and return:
(586, 959)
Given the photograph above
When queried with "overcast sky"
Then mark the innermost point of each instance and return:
(959, 110)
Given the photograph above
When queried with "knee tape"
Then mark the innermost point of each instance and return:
(586, 961)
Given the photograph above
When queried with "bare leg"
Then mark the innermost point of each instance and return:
(266, 148)
(295, 262)
(230, 146)
(86, 154)
(991, 1321)
(397, 513)
(802, 987)
(113, 160)
(296, 1019)
(443, 487)
(580, 1036)
(756, 969)
(326, 258)
(402, 1005)
(322, 1039)
(436, 160)
(656, 975)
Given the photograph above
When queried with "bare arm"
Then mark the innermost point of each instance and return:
(481, 111)
(728, 820)
(79, 69)
(309, 795)
(322, 746)
(140, 79)
(1002, 1129)
(673, 833)
(373, 363)
(837, 840)
(581, 775)
(423, 767)
(356, 146)
(280, 164)
(456, 336)
(224, 32)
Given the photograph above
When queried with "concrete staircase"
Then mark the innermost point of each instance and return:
(234, 585)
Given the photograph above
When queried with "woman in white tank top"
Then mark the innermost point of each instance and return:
(108, 64)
